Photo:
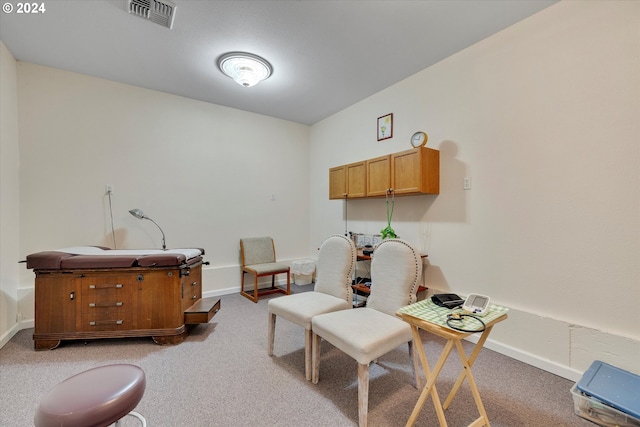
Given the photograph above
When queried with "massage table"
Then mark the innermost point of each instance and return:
(89, 292)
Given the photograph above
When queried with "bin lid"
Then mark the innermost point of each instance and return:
(611, 385)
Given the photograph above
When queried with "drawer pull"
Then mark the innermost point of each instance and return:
(106, 286)
(194, 284)
(106, 304)
(106, 322)
(194, 297)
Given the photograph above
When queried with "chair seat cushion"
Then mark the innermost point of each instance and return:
(301, 308)
(97, 397)
(363, 333)
(266, 268)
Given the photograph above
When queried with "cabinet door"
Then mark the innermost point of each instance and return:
(337, 182)
(406, 172)
(159, 300)
(56, 303)
(416, 171)
(356, 180)
(378, 176)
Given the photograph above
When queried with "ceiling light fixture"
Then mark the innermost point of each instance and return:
(245, 68)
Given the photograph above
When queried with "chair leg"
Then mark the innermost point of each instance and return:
(308, 339)
(271, 334)
(315, 358)
(289, 282)
(363, 394)
(255, 288)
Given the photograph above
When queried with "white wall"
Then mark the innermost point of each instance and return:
(205, 173)
(9, 196)
(544, 118)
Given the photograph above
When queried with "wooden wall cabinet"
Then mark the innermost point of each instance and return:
(338, 182)
(410, 172)
(348, 181)
(378, 176)
(113, 303)
(416, 171)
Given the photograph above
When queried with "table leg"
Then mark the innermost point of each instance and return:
(472, 358)
(430, 387)
(483, 420)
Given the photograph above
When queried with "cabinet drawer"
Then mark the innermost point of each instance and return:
(109, 306)
(110, 295)
(107, 321)
(192, 290)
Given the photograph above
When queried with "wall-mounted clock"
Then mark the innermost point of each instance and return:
(419, 139)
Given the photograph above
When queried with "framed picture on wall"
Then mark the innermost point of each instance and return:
(385, 127)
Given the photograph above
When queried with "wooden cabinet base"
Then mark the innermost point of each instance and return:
(84, 304)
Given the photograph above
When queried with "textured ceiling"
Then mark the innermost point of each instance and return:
(326, 55)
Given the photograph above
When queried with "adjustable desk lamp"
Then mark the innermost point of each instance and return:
(140, 215)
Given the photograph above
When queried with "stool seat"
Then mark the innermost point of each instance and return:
(94, 398)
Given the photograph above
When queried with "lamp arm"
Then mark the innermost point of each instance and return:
(164, 245)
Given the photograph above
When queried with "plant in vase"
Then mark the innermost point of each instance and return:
(389, 232)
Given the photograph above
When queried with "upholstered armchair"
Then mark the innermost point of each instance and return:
(370, 332)
(332, 292)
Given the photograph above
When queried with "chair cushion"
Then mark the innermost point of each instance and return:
(257, 250)
(97, 397)
(336, 262)
(396, 269)
(301, 308)
(271, 267)
(363, 333)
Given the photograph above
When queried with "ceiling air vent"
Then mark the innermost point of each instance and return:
(160, 12)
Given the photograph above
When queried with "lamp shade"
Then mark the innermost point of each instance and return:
(137, 213)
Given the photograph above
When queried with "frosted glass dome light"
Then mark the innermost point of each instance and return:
(245, 69)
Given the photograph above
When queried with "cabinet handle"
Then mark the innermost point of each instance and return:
(106, 304)
(194, 297)
(106, 322)
(194, 283)
(106, 286)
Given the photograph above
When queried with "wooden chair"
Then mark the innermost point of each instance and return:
(332, 292)
(258, 257)
(370, 332)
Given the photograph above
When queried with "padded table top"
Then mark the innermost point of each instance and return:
(79, 257)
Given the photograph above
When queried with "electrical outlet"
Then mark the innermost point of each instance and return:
(467, 183)
(108, 189)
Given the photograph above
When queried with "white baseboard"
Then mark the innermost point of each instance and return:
(6, 337)
(530, 359)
